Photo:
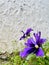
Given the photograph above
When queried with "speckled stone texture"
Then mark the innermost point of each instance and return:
(17, 15)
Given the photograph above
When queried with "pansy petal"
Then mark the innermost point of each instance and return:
(30, 45)
(28, 31)
(37, 36)
(22, 37)
(31, 41)
(41, 41)
(26, 52)
(40, 52)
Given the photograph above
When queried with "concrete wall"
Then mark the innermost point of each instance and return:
(17, 15)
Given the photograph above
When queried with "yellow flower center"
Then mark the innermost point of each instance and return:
(36, 46)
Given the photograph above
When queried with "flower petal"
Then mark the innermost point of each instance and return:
(22, 37)
(26, 52)
(37, 36)
(31, 41)
(40, 52)
(28, 31)
(41, 41)
(30, 45)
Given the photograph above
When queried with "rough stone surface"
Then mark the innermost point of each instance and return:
(17, 15)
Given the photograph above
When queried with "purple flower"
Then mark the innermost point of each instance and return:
(33, 46)
(27, 33)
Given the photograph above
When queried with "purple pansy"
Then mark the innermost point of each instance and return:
(27, 33)
(33, 46)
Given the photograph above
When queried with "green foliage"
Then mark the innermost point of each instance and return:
(16, 60)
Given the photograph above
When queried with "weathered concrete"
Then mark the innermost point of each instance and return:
(17, 15)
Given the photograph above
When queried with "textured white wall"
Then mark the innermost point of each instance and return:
(17, 15)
